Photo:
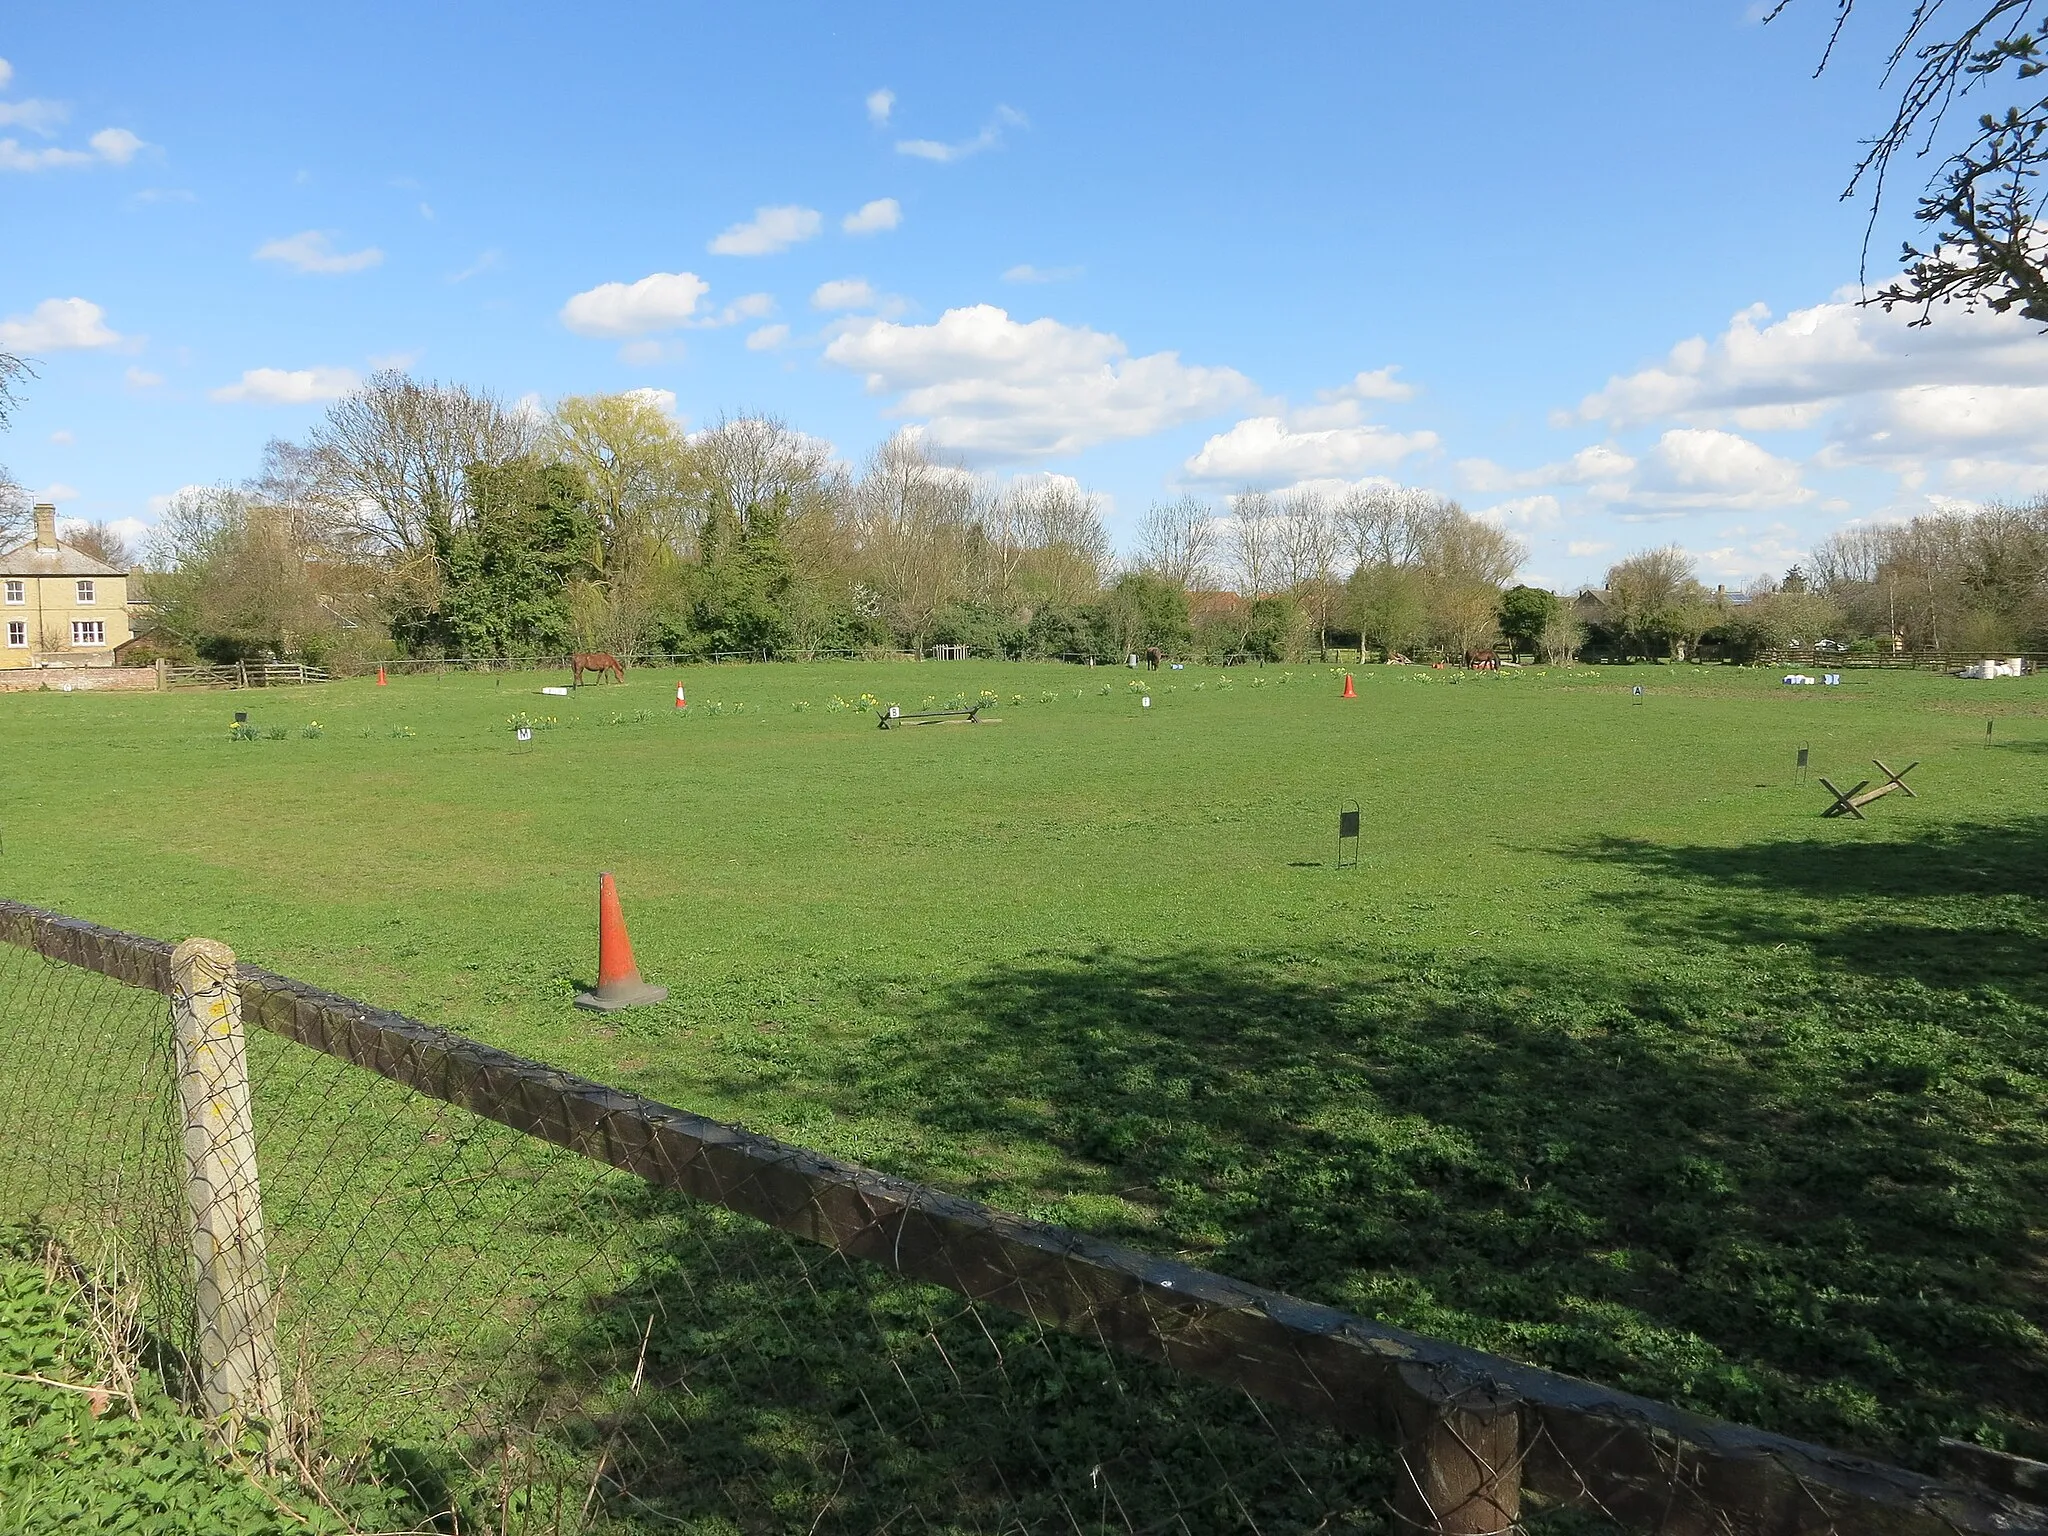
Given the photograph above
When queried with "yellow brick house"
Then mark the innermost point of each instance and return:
(59, 607)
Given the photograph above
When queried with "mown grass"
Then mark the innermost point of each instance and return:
(1611, 1054)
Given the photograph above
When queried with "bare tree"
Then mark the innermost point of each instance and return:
(1252, 540)
(100, 541)
(1307, 542)
(754, 463)
(1982, 205)
(229, 567)
(15, 511)
(912, 519)
(1065, 547)
(1388, 524)
(13, 372)
(385, 467)
(15, 507)
(1177, 542)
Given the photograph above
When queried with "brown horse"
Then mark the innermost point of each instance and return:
(599, 662)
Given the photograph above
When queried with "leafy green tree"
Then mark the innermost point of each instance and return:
(1525, 613)
(1144, 610)
(1390, 605)
(1269, 627)
(506, 567)
(746, 576)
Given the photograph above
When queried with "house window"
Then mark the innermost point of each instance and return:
(84, 594)
(88, 631)
(17, 592)
(17, 634)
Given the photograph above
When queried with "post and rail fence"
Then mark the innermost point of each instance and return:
(409, 1257)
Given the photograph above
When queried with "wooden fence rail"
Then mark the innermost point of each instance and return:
(1643, 1464)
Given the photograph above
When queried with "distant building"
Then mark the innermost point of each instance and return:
(59, 607)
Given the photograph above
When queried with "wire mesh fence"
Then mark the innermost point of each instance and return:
(508, 1299)
(473, 1320)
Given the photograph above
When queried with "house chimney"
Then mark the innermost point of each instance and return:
(46, 525)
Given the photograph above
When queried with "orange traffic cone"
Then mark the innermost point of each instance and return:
(1349, 691)
(380, 678)
(618, 978)
(682, 702)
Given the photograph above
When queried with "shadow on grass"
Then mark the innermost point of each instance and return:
(1783, 1162)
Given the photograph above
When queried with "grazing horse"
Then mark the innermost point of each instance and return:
(599, 662)
(1484, 661)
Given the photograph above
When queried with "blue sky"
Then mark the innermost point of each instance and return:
(1580, 265)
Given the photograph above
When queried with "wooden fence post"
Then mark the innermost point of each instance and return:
(1461, 1463)
(237, 1324)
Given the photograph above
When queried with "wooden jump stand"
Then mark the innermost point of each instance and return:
(1850, 802)
(930, 717)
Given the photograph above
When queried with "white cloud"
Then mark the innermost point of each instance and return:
(872, 218)
(13, 157)
(1688, 469)
(396, 361)
(663, 400)
(1693, 468)
(312, 250)
(1024, 272)
(58, 325)
(1342, 407)
(993, 388)
(1266, 452)
(660, 301)
(280, 386)
(110, 146)
(844, 293)
(1523, 512)
(770, 230)
(767, 338)
(880, 104)
(1602, 466)
(36, 116)
(1919, 401)
(944, 153)
(58, 491)
(165, 195)
(63, 437)
(116, 146)
(142, 378)
(1585, 549)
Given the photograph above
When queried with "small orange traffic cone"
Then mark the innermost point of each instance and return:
(618, 978)
(1349, 691)
(380, 678)
(682, 702)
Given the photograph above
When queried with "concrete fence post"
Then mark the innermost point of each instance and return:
(1461, 1465)
(237, 1323)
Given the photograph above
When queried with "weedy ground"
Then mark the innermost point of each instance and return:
(89, 1440)
(1610, 1055)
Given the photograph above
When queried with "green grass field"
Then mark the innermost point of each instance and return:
(1611, 1055)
